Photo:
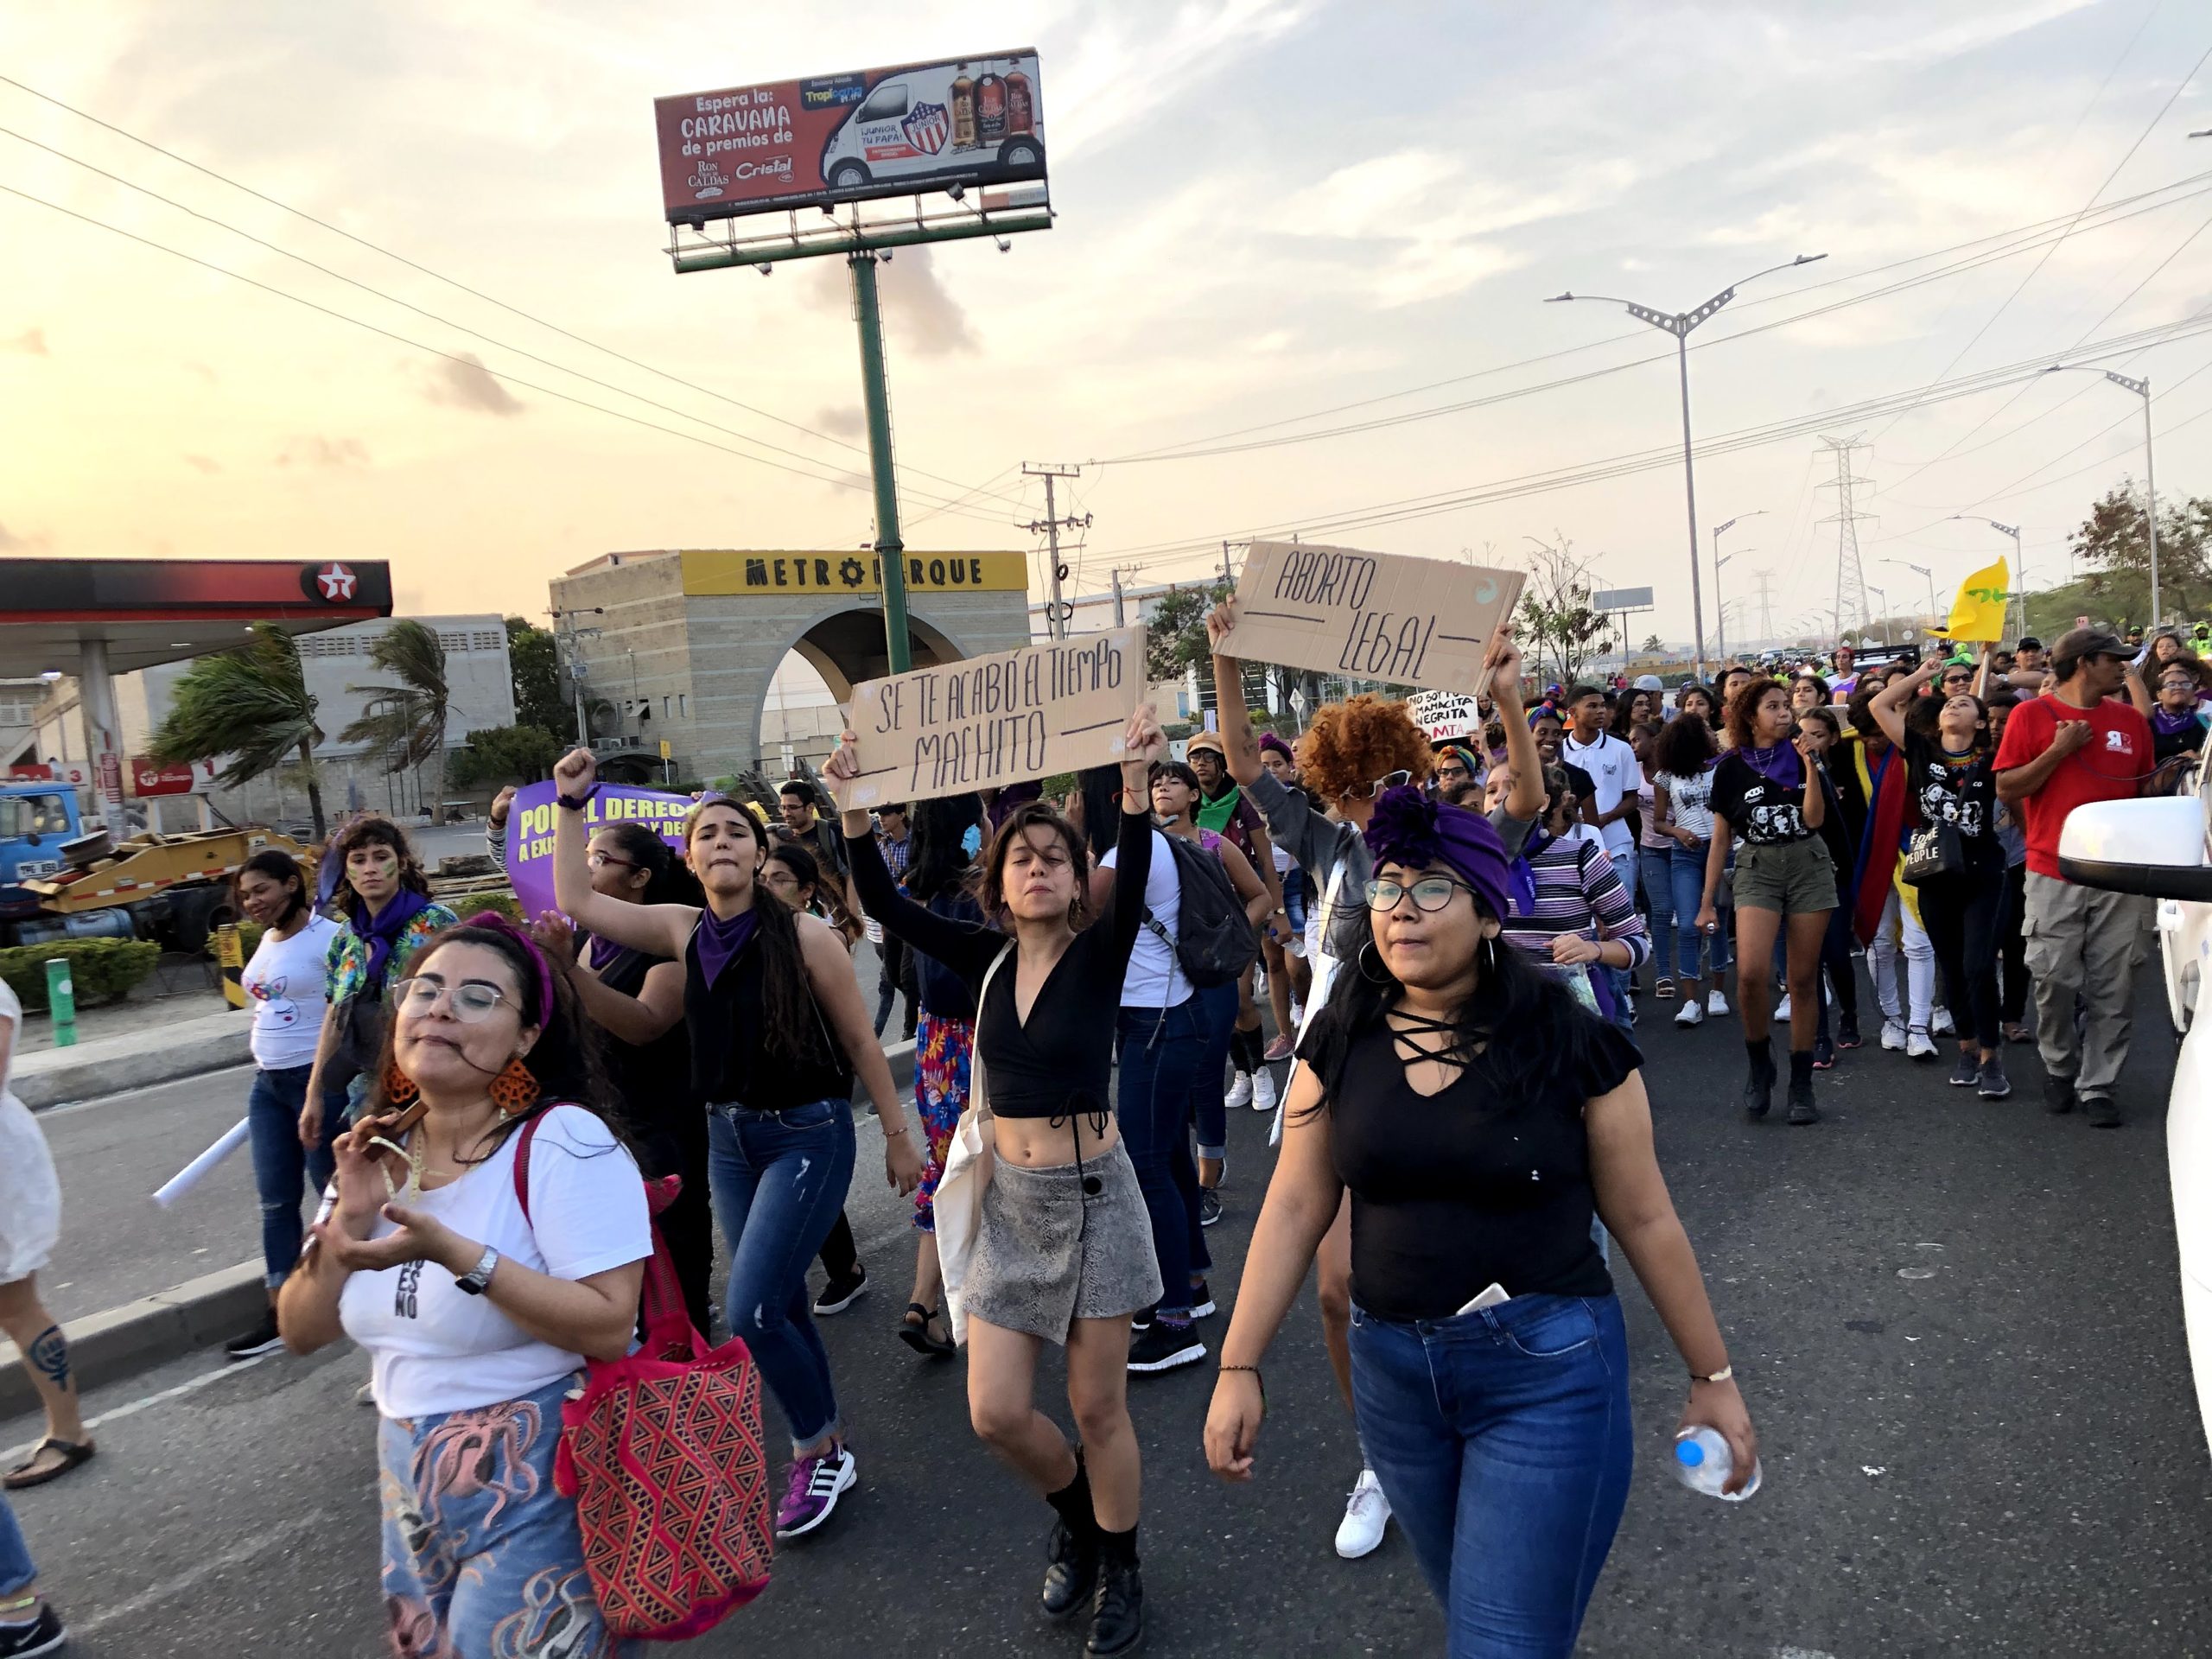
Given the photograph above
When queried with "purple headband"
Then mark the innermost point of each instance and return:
(1410, 830)
(1269, 741)
(498, 923)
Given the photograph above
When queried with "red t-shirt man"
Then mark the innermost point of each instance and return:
(2110, 766)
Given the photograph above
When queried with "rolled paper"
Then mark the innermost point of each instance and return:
(193, 1172)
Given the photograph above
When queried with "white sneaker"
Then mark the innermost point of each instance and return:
(1781, 1008)
(1715, 1004)
(1297, 1014)
(1366, 1514)
(1240, 1092)
(1917, 1045)
(1892, 1033)
(1692, 1013)
(1263, 1090)
(1941, 1025)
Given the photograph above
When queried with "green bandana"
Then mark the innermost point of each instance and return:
(1215, 814)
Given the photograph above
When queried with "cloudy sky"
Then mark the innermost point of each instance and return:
(1277, 218)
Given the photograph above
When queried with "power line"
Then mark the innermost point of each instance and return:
(475, 293)
(416, 345)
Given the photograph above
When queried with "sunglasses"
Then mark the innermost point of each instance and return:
(1430, 892)
(1391, 780)
(471, 1000)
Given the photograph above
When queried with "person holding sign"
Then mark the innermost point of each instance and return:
(776, 1029)
(1063, 1252)
(1351, 753)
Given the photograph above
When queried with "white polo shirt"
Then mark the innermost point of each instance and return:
(1613, 767)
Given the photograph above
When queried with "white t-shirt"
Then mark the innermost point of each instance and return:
(1690, 800)
(437, 1349)
(1155, 978)
(286, 988)
(1613, 767)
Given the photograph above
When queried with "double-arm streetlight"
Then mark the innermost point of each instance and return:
(2019, 560)
(1720, 621)
(2141, 389)
(1680, 324)
(1934, 616)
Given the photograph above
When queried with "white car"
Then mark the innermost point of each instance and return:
(2162, 847)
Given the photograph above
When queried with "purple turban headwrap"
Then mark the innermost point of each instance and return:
(1409, 829)
(1269, 741)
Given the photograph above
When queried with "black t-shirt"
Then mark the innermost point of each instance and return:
(1580, 784)
(1453, 1192)
(1762, 812)
(1957, 789)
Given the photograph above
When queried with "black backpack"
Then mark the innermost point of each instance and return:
(1214, 939)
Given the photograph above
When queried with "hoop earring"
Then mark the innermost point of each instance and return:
(398, 1087)
(515, 1090)
(1490, 958)
(1360, 962)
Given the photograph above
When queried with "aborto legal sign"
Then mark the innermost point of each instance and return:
(850, 137)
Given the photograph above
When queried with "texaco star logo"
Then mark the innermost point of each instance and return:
(336, 581)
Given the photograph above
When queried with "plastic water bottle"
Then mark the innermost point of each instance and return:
(1703, 1462)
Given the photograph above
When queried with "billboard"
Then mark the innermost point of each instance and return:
(850, 137)
(715, 571)
(150, 776)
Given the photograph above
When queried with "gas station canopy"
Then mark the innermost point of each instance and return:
(151, 611)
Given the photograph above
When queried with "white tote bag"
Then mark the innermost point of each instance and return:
(958, 1206)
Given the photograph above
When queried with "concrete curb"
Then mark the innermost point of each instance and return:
(139, 1336)
(108, 1065)
(124, 1341)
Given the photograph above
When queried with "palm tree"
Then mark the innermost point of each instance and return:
(251, 705)
(407, 721)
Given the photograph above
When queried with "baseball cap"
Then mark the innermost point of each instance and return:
(1206, 741)
(2028, 642)
(1647, 683)
(2076, 643)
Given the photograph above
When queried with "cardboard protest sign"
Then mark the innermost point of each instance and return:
(983, 721)
(530, 831)
(1374, 616)
(1445, 717)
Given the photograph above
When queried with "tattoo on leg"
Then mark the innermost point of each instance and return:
(49, 1356)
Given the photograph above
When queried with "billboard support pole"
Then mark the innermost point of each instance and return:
(890, 550)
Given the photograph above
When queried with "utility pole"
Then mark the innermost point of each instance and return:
(876, 391)
(1056, 618)
(1118, 620)
(565, 631)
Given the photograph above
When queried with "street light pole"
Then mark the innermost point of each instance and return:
(2019, 560)
(1720, 645)
(1680, 324)
(2141, 389)
(1935, 616)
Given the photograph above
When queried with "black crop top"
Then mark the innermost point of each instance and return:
(1059, 1064)
(1453, 1192)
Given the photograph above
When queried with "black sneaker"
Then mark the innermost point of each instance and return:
(1847, 1030)
(1758, 1087)
(263, 1338)
(1117, 1612)
(2103, 1110)
(1162, 1347)
(1073, 1575)
(1208, 1206)
(1991, 1083)
(841, 1294)
(1965, 1070)
(1202, 1302)
(1801, 1107)
(45, 1634)
(2057, 1094)
(1823, 1054)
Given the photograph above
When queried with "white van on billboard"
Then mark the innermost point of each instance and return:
(970, 119)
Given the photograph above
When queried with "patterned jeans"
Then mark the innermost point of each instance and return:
(482, 1558)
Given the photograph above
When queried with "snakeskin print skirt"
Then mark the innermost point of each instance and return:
(1062, 1243)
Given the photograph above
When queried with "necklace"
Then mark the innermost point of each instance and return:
(415, 1152)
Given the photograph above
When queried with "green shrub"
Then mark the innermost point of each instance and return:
(467, 904)
(101, 970)
(248, 940)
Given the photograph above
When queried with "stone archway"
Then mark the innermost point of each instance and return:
(846, 646)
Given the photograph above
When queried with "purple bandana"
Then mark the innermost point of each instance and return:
(720, 941)
(2166, 725)
(1410, 830)
(601, 952)
(1782, 763)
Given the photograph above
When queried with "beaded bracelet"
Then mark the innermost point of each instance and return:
(1256, 1378)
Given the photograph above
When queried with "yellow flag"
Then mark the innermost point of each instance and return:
(1978, 613)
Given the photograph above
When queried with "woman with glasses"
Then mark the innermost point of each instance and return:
(636, 1000)
(1456, 772)
(1064, 1251)
(777, 1031)
(1351, 753)
(1477, 1120)
(2177, 713)
(1571, 911)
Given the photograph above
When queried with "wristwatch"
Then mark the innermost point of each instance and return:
(477, 1279)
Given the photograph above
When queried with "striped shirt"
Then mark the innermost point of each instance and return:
(896, 854)
(1577, 891)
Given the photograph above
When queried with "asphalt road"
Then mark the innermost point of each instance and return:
(1956, 1323)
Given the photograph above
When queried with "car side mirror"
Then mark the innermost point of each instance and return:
(2155, 847)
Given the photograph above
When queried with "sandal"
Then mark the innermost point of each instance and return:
(28, 1474)
(1664, 990)
(914, 1331)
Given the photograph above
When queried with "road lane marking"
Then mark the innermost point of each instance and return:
(230, 1368)
(237, 1556)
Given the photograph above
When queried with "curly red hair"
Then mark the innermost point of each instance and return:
(1351, 743)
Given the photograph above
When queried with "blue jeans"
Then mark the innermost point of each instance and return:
(1655, 874)
(17, 1570)
(1208, 1111)
(281, 1164)
(1685, 865)
(778, 1181)
(1162, 1050)
(1502, 1440)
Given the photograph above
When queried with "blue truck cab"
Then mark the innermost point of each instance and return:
(36, 819)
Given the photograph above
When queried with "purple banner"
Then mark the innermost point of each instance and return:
(530, 830)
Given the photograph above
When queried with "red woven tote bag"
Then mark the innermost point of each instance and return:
(662, 1452)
